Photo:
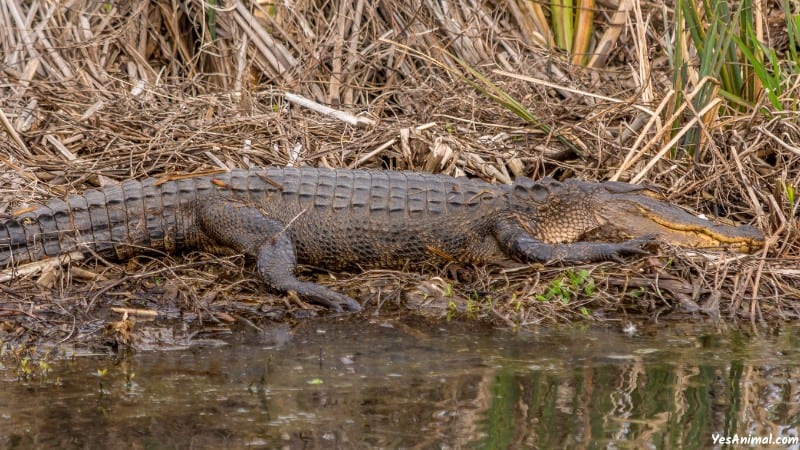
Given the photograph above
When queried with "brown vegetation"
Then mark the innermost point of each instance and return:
(96, 92)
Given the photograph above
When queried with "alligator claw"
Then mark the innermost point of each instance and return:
(632, 247)
(348, 303)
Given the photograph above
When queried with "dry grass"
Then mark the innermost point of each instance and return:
(95, 92)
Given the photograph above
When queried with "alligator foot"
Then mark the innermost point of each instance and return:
(323, 296)
(248, 230)
(526, 248)
(602, 251)
(276, 263)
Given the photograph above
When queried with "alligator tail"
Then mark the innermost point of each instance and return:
(117, 221)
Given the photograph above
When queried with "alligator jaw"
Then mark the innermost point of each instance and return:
(638, 214)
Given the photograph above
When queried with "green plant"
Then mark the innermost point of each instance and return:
(636, 293)
(719, 60)
(25, 367)
(789, 193)
(452, 309)
(572, 25)
(29, 367)
(211, 19)
(556, 291)
(581, 280)
(571, 284)
(793, 31)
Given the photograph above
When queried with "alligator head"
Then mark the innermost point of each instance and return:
(575, 210)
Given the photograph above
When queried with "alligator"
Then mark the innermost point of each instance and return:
(356, 219)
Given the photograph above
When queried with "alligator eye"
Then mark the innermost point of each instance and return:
(539, 192)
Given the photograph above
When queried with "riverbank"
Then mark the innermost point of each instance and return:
(95, 93)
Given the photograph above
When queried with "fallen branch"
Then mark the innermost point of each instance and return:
(39, 266)
(328, 111)
(135, 311)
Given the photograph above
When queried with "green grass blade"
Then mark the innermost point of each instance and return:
(561, 12)
(793, 30)
(584, 29)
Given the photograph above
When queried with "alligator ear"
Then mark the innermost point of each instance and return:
(538, 191)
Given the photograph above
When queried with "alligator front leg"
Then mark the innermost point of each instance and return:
(522, 246)
(249, 231)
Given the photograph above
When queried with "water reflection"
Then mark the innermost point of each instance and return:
(363, 384)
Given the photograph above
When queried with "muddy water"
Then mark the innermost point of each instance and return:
(375, 384)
